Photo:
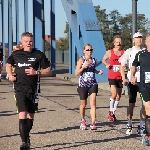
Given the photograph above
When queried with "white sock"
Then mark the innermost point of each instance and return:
(142, 123)
(0, 76)
(115, 106)
(129, 122)
(111, 104)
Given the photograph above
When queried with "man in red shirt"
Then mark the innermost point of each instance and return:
(110, 60)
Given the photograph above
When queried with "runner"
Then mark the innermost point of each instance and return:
(142, 59)
(114, 76)
(1, 61)
(87, 85)
(127, 59)
(27, 63)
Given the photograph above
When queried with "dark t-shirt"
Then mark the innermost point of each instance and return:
(1, 54)
(24, 60)
(142, 59)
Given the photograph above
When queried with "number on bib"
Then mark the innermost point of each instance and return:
(116, 68)
(147, 77)
(88, 76)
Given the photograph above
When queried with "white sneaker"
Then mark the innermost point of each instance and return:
(129, 130)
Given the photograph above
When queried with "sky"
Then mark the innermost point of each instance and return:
(123, 6)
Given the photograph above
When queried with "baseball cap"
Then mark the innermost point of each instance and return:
(137, 34)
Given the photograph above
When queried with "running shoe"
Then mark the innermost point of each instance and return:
(83, 125)
(93, 126)
(111, 116)
(24, 146)
(145, 138)
(129, 130)
(140, 130)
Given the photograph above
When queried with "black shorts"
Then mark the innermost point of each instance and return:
(84, 92)
(116, 82)
(145, 96)
(25, 102)
(132, 92)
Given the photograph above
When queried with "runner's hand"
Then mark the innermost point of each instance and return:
(133, 80)
(125, 82)
(108, 65)
(12, 77)
(100, 72)
(30, 71)
(86, 64)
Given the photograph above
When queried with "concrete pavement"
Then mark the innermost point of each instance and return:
(56, 126)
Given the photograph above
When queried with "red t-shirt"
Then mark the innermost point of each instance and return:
(114, 69)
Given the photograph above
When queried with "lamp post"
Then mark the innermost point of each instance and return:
(134, 16)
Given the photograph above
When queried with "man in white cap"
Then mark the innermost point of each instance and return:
(127, 59)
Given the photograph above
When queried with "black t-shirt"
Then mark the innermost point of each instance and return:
(1, 54)
(24, 60)
(142, 59)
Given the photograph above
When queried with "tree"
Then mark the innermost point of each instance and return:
(63, 42)
(47, 46)
(113, 24)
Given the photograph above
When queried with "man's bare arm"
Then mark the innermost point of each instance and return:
(45, 72)
(122, 71)
(133, 71)
(9, 69)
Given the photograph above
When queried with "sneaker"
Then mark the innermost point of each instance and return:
(93, 126)
(114, 117)
(83, 125)
(129, 130)
(111, 116)
(24, 146)
(140, 130)
(36, 107)
(145, 138)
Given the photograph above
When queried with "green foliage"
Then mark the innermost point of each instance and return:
(114, 24)
(47, 46)
(63, 42)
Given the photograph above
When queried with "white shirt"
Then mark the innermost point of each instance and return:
(127, 59)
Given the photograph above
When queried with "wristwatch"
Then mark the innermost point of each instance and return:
(37, 72)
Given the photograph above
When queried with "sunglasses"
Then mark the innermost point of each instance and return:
(89, 50)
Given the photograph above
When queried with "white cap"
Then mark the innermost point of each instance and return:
(137, 34)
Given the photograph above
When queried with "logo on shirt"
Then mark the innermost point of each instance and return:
(31, 59)
(23, 65)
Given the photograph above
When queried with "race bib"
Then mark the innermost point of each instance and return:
(147, 77)
(88, 76)
(116, 68)
(138, 69)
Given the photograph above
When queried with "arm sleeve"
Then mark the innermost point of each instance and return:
(11, 60)
(124, 58)
(136, 61)
(44, 62)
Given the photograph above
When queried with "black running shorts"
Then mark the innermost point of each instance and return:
(132, 92)
(85, 91)
(25, 102)
(116, 82)
(145, 96)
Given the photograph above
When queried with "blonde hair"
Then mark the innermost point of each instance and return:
(28, 34)
(86, 45)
